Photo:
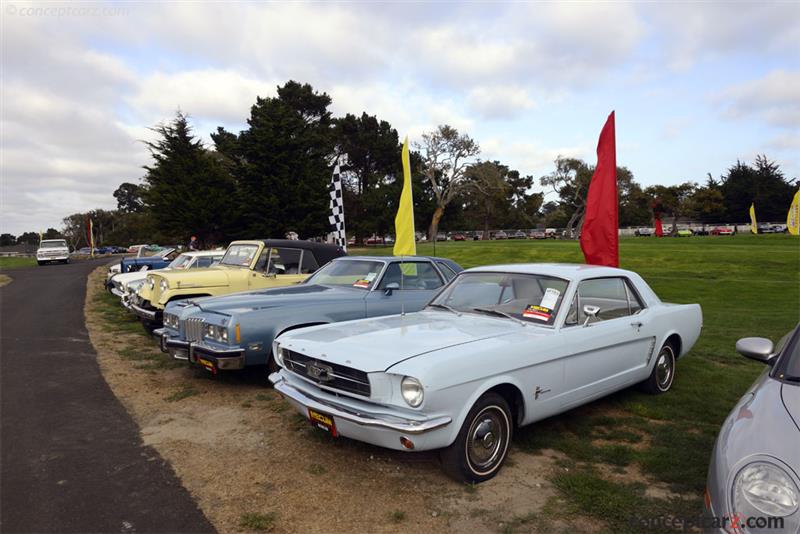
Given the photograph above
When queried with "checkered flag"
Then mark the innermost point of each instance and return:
(337, 209)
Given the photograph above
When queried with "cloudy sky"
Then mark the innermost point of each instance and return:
(695, 86)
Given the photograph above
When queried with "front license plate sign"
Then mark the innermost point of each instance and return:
(320, 420)
(207, 364)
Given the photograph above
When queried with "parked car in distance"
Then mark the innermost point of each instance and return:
(551, 233)
(519, 234)
(500, 235)
(722, 230)
(499, 347)
(234, 331)
(51, 251)
(123, 285)
(755, 464)
(459, 237)
(538, 234)
(702, 230)
(246, 265)
(643, 232)
(684, 232)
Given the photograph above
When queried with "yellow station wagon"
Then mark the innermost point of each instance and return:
(246, 265)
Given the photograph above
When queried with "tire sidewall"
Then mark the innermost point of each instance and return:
(658, 387)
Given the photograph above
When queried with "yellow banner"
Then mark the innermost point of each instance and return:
(753, 225)
(793, 217)
(404, 244)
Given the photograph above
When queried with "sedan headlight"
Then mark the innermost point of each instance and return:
(411, 388)
(171, 321)
(216, 333)
(765, 489)
(163, 285)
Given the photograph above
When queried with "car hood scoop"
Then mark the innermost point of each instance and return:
(377, 344)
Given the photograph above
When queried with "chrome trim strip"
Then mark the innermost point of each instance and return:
(141, 312)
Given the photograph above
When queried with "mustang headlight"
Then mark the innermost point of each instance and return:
(163, 285)
(411, 388)
(765, 489)
(279, 354)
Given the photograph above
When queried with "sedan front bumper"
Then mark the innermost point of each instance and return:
(148, 314)
(365, 421)
(201, 354)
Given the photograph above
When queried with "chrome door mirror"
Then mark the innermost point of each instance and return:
(390, 288)
(590, 312)
(759, 349)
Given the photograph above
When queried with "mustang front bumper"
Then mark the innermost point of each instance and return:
(365, 421)
(201, 354)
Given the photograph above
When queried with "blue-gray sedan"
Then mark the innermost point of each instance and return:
(233, 331)
(754, 477)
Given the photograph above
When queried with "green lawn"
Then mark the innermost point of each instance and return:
(747, 286)
(15, 262)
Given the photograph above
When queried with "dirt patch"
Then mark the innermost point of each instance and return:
(5, 280)
(239, 449)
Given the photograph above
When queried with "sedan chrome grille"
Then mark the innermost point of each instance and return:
(193, 327)
(328, 374)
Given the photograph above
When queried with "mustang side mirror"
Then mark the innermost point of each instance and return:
(759, 349)
(590, 312)
(390, 288)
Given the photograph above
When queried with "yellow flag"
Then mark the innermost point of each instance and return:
(793, 218)
(404, 244)
(753, 225)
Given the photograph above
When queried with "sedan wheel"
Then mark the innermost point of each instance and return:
(482, 443)
(663, 374)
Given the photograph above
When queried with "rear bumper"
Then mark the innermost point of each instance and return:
(201, 354)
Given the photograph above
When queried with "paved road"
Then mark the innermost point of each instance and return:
(72, 458)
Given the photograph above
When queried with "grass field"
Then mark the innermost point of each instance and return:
(16, 262)
(747, 286)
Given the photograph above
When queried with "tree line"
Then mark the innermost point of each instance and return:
(272, 178)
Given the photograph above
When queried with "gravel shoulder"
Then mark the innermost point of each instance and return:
(253, 464)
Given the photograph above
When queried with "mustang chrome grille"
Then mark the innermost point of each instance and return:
(193, 327)
(327, 374)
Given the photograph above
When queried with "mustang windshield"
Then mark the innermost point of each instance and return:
(354, 273)
(527, 297)
(239, 255)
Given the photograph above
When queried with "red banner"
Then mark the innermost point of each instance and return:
(599, 234)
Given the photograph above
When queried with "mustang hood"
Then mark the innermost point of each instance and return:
(377, 344)
(279, 297)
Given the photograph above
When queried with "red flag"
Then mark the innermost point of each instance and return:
(599, 237)
(659, 228)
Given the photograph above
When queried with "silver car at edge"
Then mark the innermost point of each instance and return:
(499, 347)
(754, 477)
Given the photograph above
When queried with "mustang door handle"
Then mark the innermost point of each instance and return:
(636, 324)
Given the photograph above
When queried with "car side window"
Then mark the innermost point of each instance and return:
(634, 302)
(284, 261)
(308, 264)
(204, 261)
(572, 314)
(446, 270)
(412, 275)
(608, 294)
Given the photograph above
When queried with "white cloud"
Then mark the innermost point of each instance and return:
(774, 98)
(499, 102)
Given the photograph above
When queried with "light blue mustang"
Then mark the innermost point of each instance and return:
(237, 330)
(498, 347)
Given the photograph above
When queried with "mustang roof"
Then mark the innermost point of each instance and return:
(570, 271)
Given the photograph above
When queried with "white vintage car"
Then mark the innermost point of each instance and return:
(123, 285)
(497, 348)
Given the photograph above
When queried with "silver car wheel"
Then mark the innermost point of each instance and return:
(665, 368)
(487, 439)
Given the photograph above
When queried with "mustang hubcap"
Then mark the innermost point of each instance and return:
(664, 368)
(486, 436)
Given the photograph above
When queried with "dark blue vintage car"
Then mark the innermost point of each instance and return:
(159, 260)
(237, 330)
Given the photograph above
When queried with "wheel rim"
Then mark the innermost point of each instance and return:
(487, 439)
(665, 368)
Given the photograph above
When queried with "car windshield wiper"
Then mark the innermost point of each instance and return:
(501, 313)
(445, 307)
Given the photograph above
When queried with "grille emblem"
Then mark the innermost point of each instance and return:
(319, 371)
